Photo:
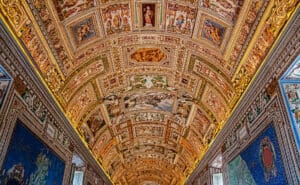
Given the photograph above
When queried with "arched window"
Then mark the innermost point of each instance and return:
(216, 170)
(78, 170)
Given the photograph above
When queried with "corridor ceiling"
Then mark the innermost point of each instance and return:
(147, 84)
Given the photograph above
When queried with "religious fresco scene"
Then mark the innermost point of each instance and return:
(148, 85)
(149, 15)
(213, 32)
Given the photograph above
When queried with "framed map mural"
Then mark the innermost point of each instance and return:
(28, 161)
(290, 89)
(5, 81)
(260, 163)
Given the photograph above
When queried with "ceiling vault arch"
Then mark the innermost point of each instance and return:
(147, 84)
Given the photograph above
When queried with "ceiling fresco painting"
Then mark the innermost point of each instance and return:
(147, 84)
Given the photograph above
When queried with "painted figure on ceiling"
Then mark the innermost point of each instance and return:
(108, 27)
(83, 31)
(117, 21)
(126, 25)
(116, 18)
(179, 21)
(148, 16)
(213, 32)
(95, 122)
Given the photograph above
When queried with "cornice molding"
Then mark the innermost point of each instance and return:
(22, 66)
(277, 61)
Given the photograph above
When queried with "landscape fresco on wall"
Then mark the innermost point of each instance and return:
(30, 162)
(290, 87)
(260, 163)
(4, 85)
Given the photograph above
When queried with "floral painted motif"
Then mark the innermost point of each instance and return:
(148, 81)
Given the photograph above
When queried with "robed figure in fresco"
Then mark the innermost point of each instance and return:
(148, 15)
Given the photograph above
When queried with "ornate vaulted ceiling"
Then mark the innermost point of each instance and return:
(147, 84)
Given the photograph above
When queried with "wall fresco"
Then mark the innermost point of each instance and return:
(294, 73)
(260, 163)
(292, 96)
(29, 161)
(149, 130)
(4, 85)
(184, 106)
(290, 87)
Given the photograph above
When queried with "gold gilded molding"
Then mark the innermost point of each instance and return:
(16, 37)
(277, 14)
(15, 14)
(23, 24)
(171, 141)
(281, 11)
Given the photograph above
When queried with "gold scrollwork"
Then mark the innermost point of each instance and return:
(15, 14)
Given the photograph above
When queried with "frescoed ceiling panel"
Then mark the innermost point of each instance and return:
(147, 84)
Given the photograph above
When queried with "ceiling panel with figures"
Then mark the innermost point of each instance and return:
(147, 84)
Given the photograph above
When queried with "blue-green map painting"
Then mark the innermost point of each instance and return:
(30, 162)
(290, 88)
(260, 163)
(5, 81)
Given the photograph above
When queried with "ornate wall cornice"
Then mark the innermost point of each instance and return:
(264, 103)
(32, 97)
